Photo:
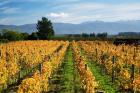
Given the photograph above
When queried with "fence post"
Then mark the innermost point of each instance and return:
(40, 68)
(96, 51)
(19, 75)
(113, 72)
(85, 66)
(134, 54)
(133, 72)
(102, 63)
(132, 76)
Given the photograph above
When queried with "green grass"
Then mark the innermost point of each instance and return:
(67, 77)
(104, 81)
(69, 72)
(72, 79)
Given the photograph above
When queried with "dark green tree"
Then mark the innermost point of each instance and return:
(45, 29)
(33, 36)
(102, 35)
(92, 34)
(85, 35)
(24, 36)
(0, 36)
(11, 35)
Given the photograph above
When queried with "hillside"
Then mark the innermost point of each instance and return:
(85, 27)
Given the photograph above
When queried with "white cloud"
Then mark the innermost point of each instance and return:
(79, 12)
(5, 20)
(20, 20)
(99, 11)
(58, 15)
(9, 10)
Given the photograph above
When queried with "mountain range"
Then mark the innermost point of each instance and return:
(85, 27)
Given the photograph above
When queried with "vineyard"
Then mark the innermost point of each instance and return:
(43, 66)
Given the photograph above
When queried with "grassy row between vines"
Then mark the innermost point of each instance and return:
(104, 81)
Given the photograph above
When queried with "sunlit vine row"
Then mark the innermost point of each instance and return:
(39, 82)
(86, 76)
(18, 56)
(117, 60)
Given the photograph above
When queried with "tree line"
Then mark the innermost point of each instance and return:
(44, 32)
(91, 35)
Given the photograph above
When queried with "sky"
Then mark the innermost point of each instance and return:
(17, 12)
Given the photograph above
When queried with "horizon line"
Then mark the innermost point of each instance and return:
(75, 23)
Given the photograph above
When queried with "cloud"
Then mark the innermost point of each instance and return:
(58, 15)
(9, 10)
(73, 11)
(4, 2)
(6, 21)
(31, 1)
(17, 20)
(81, 12)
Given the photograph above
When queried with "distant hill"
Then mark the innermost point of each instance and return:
(29, 28)
(85, 27)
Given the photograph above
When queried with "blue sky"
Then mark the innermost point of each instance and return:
(69, 11)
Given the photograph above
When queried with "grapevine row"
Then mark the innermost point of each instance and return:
(86, 76)
(121, 62)
(40, 80)
(18, 59)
